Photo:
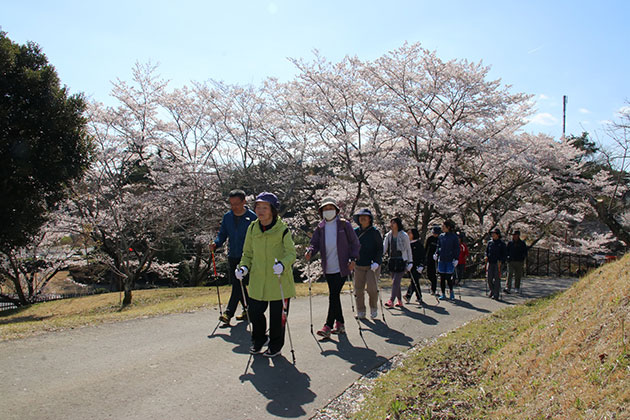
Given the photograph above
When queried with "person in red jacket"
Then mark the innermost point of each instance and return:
(463, 255)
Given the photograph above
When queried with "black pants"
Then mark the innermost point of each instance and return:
(236, 296)
(257, 317)
(335, 284)
(444, 278)
(414, 284)
(432, 275)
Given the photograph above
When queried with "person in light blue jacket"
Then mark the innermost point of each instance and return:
(447, 256)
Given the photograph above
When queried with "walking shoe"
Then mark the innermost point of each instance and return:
(442, 297)
(407, 298)
(452, 295)
(269, 353)
(325, 331)
(374, 313)
(254, 349)
(361, 315)
(339, 328)
(225, 318)
(399, 304)
(518, 291)
(389, 304)
(242, 316)
(506, 291)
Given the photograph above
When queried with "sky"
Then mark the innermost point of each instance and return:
(545, 48)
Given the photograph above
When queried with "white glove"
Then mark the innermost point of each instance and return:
(435, 256)
(278, 268)
(409, 267)
(455, 262)
(241, 272)
(419, 269)
(374, 266)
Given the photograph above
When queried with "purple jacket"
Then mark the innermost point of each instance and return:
(347, 244)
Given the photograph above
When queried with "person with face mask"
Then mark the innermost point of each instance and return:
(339, 246)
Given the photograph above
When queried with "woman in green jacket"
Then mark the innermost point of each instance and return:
(268, 256)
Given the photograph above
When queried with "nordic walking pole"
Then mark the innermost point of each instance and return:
(285, 316)
(352, 297)
(380, 299)
(310, 303)
(216, 282)
(416, 283)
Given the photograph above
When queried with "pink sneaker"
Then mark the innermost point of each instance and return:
(339, 328)
(399, 304)
(325, 331)
(389, 304)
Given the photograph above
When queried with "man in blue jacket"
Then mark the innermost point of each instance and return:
(496, 252)
(234, 227)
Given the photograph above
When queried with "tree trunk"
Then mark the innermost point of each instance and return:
(127, 298)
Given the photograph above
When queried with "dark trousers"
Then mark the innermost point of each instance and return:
(236, 296)
(414, 284)
(432, 275)
(461, 272)
(446, 278)
(335, 284)
(494, 280)
(257, 317)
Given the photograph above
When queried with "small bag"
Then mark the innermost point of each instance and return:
(396, 264)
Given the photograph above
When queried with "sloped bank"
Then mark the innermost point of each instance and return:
(564, 356)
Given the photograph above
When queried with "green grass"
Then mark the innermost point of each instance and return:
(565, 356)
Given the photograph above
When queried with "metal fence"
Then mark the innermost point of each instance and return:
(5, 306)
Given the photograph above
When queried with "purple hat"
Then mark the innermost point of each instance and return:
(267, 197)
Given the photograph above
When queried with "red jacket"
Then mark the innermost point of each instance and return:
(463, 253)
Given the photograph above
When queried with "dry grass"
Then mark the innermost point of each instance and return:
(575, 361)
(562, 357)
(97, 309)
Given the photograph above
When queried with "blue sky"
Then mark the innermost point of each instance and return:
(545, 48)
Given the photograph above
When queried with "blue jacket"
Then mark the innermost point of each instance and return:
(448, 247)
(496, 251)
(236, 233)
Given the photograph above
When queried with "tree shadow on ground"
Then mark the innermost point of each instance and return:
(286, 388)
(362, 359)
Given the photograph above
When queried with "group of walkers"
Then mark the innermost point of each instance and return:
(261, 254)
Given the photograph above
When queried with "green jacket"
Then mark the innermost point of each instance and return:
(260, 251)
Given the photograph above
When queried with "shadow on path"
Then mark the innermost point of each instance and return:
(363, 359)
(286, 388)
(236, 334)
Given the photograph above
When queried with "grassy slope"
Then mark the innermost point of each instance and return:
(567, 356)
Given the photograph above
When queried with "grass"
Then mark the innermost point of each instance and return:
(565, 356)
(97, 309)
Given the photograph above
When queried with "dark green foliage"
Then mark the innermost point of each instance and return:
(43, 141)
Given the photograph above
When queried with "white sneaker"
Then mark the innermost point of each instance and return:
(361, 315)
(374, 313)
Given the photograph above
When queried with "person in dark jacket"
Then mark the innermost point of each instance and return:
(339, 247)
(417, 251)
(516, 255)
(431, 247)
(234, 227)
(447, 256)
(368, 269)
(496, 252)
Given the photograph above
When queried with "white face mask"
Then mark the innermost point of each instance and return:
(329, 214)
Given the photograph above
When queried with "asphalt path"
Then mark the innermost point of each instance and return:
(175, 367)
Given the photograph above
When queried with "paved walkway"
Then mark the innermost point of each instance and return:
(171, 367)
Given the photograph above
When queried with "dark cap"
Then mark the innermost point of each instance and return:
(267, 197)
(363, 212)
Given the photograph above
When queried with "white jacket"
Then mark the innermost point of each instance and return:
(402, 244)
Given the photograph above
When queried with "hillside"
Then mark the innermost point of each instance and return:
(567, 356)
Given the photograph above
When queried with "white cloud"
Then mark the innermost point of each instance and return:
(624, 110)
(533, 50)
(584, 111)
(543, 97)
(544, 118)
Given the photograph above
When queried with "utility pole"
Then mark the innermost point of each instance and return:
(564, 115)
